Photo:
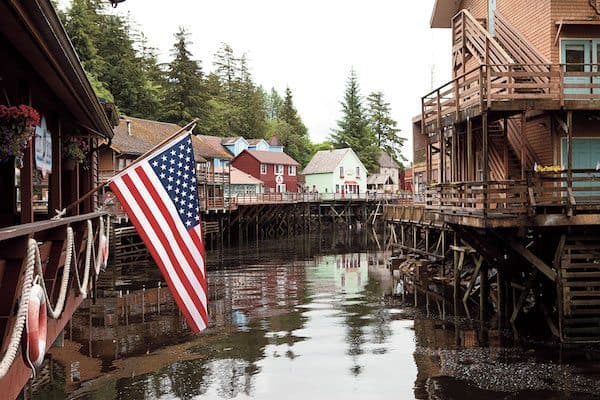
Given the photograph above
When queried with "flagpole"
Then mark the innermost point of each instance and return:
(137, 160)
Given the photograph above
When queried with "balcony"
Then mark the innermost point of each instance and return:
(543, 199)
(512, 88)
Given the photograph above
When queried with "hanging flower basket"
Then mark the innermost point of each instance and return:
(17, 125)
(74, 152)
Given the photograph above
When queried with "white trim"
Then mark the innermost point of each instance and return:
(291, 168)
(266, 169)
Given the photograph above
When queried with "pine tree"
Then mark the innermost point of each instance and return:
(384, 127)
(273, 104)
(186, 96)
(353, 129)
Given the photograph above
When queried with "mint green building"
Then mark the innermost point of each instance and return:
(336, 171)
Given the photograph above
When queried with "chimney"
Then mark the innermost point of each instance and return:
(128, 127)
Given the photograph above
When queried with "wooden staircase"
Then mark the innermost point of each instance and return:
(579, 289)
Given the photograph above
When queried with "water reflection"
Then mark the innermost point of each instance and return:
(312, 326)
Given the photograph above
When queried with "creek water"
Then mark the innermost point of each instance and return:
(299, 318)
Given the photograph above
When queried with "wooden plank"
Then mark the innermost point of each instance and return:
(532, 259)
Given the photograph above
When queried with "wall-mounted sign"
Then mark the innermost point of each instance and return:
(43, 148)
(279, 179)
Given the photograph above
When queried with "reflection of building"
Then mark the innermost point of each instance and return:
(347, 272)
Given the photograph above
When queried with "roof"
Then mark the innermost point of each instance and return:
(274, 141)
(230, 140)
(145, 134)
(238, 177)
(386, 161)
(377, 179)
(270, 157)
(325, 161)
(33, 27)
(254, 142)
(212, 148)
(443, 11)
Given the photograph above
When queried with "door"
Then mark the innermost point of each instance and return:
(586, 155)
(280, 188)
(577, 55)
(491, 16)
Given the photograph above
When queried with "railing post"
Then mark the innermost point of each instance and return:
(561, 82)
(484, 127)
(570, 161)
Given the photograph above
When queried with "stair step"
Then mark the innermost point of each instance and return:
(581, 320)
(569, 329)
(581, 284)
(594, 302)
(583, 311)
(581, 274)
(583, 293)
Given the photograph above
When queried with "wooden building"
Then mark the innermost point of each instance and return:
(40, 69)
(278, 171)
(510, 148)
(336, 171)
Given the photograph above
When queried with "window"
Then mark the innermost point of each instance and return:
(278, 169)
(263, 169)
(337, 188)
(357, 172)
(341, 172)
(291, 170)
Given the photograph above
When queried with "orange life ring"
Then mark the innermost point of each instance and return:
(37, 327)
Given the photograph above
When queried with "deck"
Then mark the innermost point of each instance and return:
(511, 88)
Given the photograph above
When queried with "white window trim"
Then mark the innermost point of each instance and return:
(278, 169)
(291, 170)
(265, 170)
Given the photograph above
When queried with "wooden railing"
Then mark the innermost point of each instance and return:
(468, 32)
(490, 84)
(500, 197)
(540, 193)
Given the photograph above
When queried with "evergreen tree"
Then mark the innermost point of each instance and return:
(353, 129)
(186, 96)
(384, 127)
(290, 130)
(273, 104)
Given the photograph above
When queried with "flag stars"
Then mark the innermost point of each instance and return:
(175, 170)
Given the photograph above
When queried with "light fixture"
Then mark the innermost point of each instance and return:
(116, 2)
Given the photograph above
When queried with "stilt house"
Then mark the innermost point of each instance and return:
(509, 149)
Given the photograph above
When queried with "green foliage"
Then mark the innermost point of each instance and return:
(106, 49)
(384, 127)
(353, 129)
(123, 69)
(186, 95)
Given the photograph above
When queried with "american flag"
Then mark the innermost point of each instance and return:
(160, 195)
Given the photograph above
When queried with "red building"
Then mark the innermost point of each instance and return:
(277, 170)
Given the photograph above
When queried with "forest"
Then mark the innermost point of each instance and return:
(124, 69)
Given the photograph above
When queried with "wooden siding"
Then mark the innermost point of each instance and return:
(476, 7)
(538, 134)
(572, 9)
(250, 165)
(532, 19)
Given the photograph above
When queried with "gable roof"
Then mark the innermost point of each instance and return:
(270, 157)
(237, 177)
(325, 161)
(212, 147)
(231, 140)
(254, 142)
(379, 179)
(145, 134)
(274, 141)
(386, 161)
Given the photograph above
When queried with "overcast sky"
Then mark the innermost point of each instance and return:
(311, 45)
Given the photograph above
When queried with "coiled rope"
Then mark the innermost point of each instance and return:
(33, 264)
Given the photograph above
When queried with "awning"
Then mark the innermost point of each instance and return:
(351, 183)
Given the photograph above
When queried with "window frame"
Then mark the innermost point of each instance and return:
(291, 170)
(266, 169)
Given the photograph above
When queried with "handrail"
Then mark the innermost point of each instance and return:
(34, 227)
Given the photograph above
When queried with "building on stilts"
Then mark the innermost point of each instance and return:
(507, 165)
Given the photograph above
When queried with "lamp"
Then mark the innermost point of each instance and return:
(116, 2)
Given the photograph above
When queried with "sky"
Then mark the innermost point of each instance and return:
(311, 46)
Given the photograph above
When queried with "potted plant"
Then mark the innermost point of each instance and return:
(17, 125)
(74, 152)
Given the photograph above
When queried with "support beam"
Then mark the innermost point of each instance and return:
(532, 259)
